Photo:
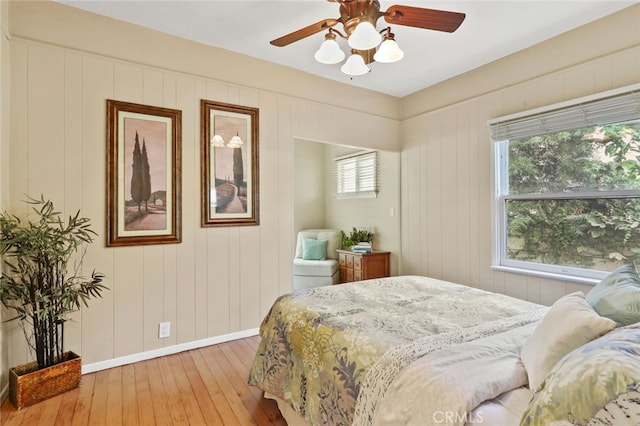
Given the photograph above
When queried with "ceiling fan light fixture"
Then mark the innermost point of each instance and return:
(355, 66)
(388, 52)
(364, 37)
(359, 19)
(329, 51)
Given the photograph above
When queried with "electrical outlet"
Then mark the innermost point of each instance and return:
(164, 330)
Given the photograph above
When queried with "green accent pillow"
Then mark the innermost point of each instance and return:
(617, 296)
(314, 249)
(592, 377)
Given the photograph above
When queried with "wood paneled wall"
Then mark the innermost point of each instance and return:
(217, 281)
(447, 154)
(4, 158)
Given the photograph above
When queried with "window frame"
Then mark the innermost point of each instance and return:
(500, 261)
(360, 174)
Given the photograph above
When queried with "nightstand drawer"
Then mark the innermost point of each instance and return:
(357, 263)
(363, 266)
(345, 259)
(346, 275)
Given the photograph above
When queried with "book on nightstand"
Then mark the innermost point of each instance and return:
(361, 248)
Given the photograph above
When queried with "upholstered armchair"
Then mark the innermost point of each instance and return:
(316, 260)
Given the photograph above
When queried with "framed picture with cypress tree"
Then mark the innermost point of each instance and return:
(229, 168)
(143, 174)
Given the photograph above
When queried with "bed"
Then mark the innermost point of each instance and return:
(415, 350)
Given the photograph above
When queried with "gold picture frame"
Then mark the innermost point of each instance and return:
(229, 164)
(143, 174)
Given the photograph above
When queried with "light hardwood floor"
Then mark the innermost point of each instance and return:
(205, 386)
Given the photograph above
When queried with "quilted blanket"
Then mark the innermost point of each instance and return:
(318, 345)
(447, 386)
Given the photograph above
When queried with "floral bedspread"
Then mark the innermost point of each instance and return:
(319, 344)
(609, 368)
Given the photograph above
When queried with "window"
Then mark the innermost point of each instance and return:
(568, 187)
(357, 175)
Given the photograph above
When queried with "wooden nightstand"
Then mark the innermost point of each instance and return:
(363, 266)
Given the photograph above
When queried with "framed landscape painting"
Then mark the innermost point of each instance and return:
(229, 168)
(143, 174)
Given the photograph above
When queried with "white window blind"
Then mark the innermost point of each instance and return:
(357, 175)
(611, 107)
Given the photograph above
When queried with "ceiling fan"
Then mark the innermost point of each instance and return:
(359, 19)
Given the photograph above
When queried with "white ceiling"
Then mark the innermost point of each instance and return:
(491, 30)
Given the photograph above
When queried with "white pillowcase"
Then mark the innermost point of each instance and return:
(570, 323)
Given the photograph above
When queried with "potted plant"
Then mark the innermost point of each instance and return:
(41, 284)
(356, 236)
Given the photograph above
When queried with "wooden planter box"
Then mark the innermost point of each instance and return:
(27, 385)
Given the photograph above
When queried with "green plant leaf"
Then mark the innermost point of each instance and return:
(38, 283)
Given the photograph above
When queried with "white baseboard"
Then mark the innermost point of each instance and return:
(169, 350)
(4, 394)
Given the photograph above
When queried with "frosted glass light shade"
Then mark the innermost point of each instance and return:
(364, 37)
(329, 52)
(217, 141)
(388, 52)
(355, 66)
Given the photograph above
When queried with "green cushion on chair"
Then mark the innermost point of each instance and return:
(314, 249)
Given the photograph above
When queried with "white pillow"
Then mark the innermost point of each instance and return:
(570, 323)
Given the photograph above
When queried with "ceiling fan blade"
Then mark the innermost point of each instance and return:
(304, 32)
(430, 19)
